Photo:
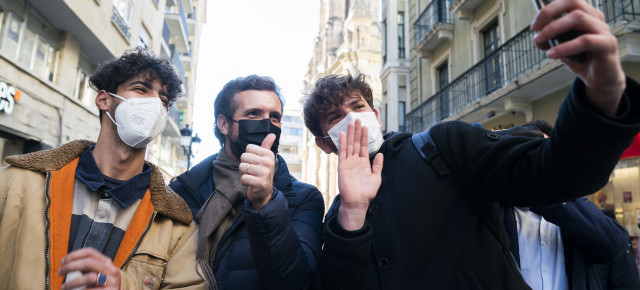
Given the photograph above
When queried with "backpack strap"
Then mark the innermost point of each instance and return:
(427, 149)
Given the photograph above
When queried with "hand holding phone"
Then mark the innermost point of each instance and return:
(559, 39)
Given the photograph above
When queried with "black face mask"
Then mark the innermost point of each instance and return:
(254, 132)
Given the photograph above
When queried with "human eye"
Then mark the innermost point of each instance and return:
(359, 106)
(165, 102)
(275, 118)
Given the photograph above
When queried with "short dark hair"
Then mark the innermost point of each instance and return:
(531, 129)
(333, 90)
(541, 125)
(134, 62)
(225, 103)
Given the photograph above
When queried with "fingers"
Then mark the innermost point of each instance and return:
(88, 280)
(357, 137)
(85, 259)
(595, 34)
(268, 141)
(89, 262)
(342, 151)
(350, 138)
(550, 23)
(376, 167)
(556, 9)
(364, 142)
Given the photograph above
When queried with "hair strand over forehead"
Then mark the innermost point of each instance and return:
(330, 91)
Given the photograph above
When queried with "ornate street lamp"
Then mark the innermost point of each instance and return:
(189, 143)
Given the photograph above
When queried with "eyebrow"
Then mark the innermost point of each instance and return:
(148, 86)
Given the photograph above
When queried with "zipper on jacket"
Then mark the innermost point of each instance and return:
(139, 241)
(47, 277)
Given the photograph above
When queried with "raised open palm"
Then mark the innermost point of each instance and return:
(358, 179)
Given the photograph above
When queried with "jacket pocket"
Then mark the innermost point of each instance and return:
(146, 270)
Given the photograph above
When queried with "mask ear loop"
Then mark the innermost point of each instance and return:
(107, 112)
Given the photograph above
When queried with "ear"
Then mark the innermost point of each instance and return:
(222, 124)
(326, 145)
(103, 100)
(377, 116)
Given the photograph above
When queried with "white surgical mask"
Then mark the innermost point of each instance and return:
(140, 120)
(367, 119)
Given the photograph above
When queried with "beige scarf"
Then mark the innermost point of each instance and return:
(219, 212)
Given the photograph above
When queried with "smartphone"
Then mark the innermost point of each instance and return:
(569, 35)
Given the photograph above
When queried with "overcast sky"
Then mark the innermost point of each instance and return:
(243, 37)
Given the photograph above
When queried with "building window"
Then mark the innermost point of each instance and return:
(384, 41)
(401, 35)
(492, 67)
(144, 40)
(1, 21)
(291, 119)
(121, 16)
(12, 36)
(346, 9)
(32, 44)
(288, 131)
(288, 149)
(83, 91)
(125, 9)
(401, 113)
(443, 96)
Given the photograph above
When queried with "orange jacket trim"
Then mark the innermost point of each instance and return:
(136, 229)
(61, 189)
(60, 210)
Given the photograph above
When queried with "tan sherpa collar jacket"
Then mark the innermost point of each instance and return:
(165, 201)
(162, 252)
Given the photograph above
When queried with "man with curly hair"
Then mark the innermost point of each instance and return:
(96, 214)
(420, 211)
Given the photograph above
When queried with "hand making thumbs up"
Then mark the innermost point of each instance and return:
(256, 171)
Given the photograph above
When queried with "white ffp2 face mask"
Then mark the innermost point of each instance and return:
(368, 119)
(140, 120)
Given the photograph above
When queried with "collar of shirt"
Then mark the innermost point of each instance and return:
(124, 194)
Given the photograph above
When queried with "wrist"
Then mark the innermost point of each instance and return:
(257, 205)
(352, 217)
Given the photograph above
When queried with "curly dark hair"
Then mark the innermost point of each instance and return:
(134, 62)
(332, 90)
(225, 102)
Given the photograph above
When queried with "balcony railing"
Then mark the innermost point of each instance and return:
(436, 11)
(174, 113)
(119, 21)
(175, 58)
(166, 32)
(512, 61)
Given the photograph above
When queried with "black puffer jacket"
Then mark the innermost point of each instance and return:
(275, 248)
(424, 231)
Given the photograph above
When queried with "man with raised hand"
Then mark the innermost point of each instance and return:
(96, 215)
(260, 228)
(430, 217)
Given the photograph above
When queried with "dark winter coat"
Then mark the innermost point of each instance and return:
(275, 248)
(588, 236)
(424, 232)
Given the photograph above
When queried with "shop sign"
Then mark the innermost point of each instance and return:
(633, 150)
(8, 96)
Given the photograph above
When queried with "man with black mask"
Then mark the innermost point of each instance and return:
(260, 228)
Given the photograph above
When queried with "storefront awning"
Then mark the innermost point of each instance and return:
(633, 150)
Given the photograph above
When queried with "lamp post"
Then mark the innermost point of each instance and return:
(189, 143)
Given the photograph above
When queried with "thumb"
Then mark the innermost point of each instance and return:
(376, 168)
(268, 141)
